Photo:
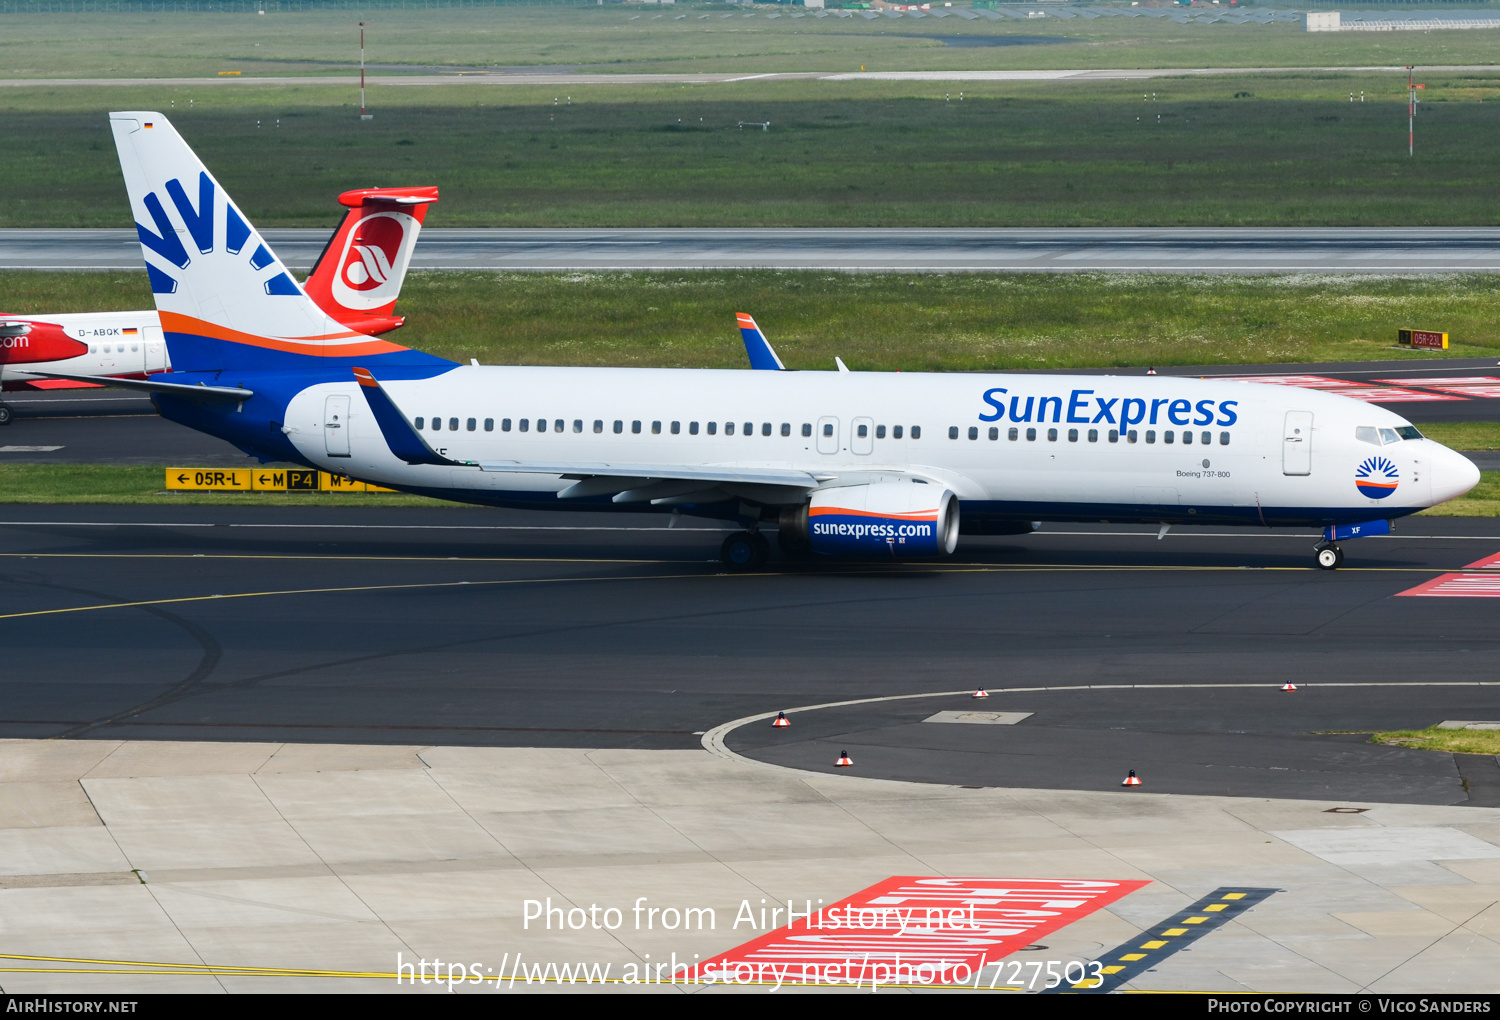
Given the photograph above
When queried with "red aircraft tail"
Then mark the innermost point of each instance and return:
(358, 277)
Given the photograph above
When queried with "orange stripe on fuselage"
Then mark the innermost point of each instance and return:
(173, 322)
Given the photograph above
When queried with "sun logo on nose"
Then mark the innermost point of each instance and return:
(1376, 477)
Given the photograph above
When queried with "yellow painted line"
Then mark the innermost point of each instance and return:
(352, 588)
(1175, 931)
(1110, 970)
(1133, 956)
(1195, 920)
(1154, 944)
(1234, 896)
(1216, 906)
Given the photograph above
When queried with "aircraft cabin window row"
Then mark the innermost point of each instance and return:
(1205, 438)
(675, 428)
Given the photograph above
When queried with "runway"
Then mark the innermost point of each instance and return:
(1380, 251)
(459, 626)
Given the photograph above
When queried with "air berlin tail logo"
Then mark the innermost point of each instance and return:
(372, 253)
(1376, 478)
(373, 261)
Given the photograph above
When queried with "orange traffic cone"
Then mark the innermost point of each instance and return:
(1289, 687)
(781, 721)
(981, 693)
(1131, 780)
(844, 760)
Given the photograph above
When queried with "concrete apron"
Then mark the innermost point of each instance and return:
(146, 866)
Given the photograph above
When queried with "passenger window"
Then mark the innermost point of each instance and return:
(692, 428)
(489, 424)
(879, 431)
(1114, 435)
(1207, 439)
(471, 424)
(1014, 434)
(1367, 434)
(952, 431)
(577, 424)
(864, 431)
(806, 429)
(1072, 435)
(1169, 436)
(452, 424)
(895, 431)
(1052, 435)
(1389, 436)
(676, 427)
(765, 428)
(786, 428)
(994, 433)
(828, 428)
(1223, 438)
(1130, 436)
(541, 424)
(437, 424)
(749, 428)
(916, 432)
(729, 428)
(713, 427)
(1093, 435)
(525, 424)
(504, 424)
(656, 428)
(635, 428)
(1031, 435)
(1150, 436)
(418, 423)
(598, 425)
(973, 432)
(1187, 438)
(557, 426)
(619, 426)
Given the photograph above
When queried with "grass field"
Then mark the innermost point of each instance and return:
(1266, 150)
(926, 322)
(1434, 739)
(636, 40)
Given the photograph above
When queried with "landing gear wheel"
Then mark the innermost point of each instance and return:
(1330, 557)
(743, 551)
(4, 415)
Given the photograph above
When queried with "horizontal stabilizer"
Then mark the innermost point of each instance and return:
(200, 392)
(404, 440)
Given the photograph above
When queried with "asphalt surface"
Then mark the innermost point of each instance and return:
(114, 427)
(1390, 250)
(460, 626)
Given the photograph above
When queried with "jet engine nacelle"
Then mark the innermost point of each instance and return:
(25, 341)
(895, 518)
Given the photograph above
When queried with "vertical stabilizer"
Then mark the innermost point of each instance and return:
(225, 299)
(359, 275)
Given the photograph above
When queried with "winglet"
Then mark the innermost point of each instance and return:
(757, 346)
(404, 440)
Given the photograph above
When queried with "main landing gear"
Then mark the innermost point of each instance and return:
(745, 551)
(1329, 556)
(4, 415)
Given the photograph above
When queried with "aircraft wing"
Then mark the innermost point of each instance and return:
(657, 472)
(200, 392)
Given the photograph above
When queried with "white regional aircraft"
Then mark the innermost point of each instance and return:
(356, 279)
(838, 463)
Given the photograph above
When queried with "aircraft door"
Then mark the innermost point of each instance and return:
(336, 426)
(862, 435)
(828, 435)
(1296, 443)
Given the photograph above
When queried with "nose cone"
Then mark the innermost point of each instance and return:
(1453, 474)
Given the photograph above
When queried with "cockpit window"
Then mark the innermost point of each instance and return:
(1389, 436)
(1409, 432)
(1367, 434)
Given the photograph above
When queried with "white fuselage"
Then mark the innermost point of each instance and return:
(1057, 461)
(113, 350)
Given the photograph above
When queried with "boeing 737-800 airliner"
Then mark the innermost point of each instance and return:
(839, 463)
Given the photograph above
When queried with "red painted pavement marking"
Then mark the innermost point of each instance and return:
(1488, 563)
(1459, 586)
(1440, 382)
(916, 930)
(1307, 382)
(1344, 388)
(1391, 395)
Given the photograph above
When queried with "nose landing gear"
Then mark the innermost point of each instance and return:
(1329, 556)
